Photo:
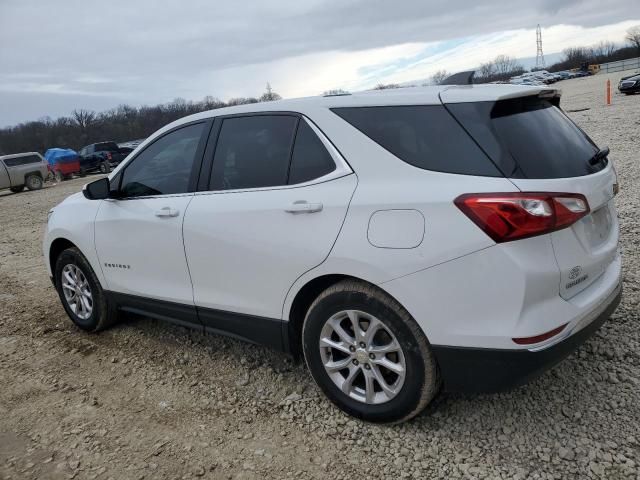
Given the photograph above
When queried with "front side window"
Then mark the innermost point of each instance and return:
(164, 167)
(253, 152)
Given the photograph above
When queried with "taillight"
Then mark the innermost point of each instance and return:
(108, 156)
(512, 216)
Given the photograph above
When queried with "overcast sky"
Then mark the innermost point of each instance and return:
(56, 56)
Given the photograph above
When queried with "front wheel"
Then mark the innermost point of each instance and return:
(81, 293)
(58, 176)
(367, 354)
(105, 167)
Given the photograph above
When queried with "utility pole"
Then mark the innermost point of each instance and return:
(539, 55)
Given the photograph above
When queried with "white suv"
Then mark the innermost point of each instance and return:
(400, 240)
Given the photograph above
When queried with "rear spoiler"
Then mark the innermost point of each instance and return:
(493, 93)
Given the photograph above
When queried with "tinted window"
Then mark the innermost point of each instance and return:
(310, 158)
(106, 147)
(426, 137)
(164, 167)
(529, 137)
(14, 162)
(253, 152)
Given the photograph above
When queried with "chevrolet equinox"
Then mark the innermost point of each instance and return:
(400, 241)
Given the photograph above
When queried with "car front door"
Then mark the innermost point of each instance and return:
(138, 235)
(272, 210)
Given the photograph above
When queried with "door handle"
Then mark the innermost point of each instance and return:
(167, 212)
(302, 206)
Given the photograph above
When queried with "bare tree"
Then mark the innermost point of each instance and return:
(487, 70)
(269, 95)
(506, 65)
(84, 118)
(386, 86)
(439, 77)
(633, 37)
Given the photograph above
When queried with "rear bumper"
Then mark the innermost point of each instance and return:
(466, 369)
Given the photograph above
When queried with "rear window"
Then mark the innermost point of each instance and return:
(425, 136)
(14, 162)
(528, 137)
(106, 147)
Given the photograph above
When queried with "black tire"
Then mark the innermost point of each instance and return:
(17, 189)
(105, 167)
(103, 315)
(34, 182)
(83, 172)
(421, 382)
(58, 176)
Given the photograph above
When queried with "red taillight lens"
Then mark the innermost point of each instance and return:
(108, 156)
(512, 216)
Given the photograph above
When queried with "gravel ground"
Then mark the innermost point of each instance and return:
(151, 400)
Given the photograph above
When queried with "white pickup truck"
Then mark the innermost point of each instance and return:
(22, 170)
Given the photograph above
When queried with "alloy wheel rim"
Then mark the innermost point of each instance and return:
(362, 357)
(77, 291)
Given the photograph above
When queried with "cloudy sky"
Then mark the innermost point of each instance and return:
(59, 55)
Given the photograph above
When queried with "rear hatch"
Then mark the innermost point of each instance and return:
(540, 149)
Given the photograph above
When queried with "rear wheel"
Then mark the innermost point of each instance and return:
(34, 182)
(57, 176)
(83, 172)
(367, 354)
(17, 189)
(81, 293)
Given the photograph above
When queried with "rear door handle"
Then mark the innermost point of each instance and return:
(167, 212)
(302, 206)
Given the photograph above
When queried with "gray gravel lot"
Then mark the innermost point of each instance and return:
(151, 400)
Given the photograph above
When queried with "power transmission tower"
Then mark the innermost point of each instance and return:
(539, 55)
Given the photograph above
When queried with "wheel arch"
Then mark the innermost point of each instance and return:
(56, 248)
(303, 300)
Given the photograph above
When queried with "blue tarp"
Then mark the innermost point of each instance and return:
(60, 155)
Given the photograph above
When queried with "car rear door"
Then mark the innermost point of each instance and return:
(273, 205)
(138, 235)
(541, 150)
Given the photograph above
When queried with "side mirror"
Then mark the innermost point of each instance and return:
(98, 190)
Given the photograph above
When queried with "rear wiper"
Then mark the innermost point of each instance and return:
(599, 156)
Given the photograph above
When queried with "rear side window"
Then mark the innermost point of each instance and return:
(529, 137)
(164, 167)
(27, 159)
(253, 152)
(106, 147)
(425, 136)
(310, 158)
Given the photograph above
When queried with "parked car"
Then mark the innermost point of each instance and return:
(63, 163)
(101, 157)
(398, 240)
(630, 84)
(22, 170)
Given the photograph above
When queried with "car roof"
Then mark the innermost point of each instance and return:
(410, 95)
(16, 155)
(428, 95)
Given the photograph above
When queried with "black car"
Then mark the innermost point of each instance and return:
(101, 157)
(630, 84)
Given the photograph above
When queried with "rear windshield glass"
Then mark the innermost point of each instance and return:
(425, 136)
(529, 137)
(107, 147)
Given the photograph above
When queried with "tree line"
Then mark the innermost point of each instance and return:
(119, 124)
